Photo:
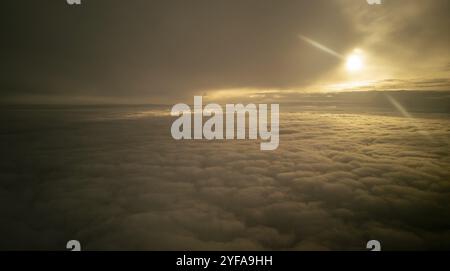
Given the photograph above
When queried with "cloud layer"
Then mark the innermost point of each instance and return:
(114, 179)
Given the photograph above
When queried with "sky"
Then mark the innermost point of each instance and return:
(167, 51)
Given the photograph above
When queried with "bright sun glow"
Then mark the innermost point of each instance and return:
(354, 63)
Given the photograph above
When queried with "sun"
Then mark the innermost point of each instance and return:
(354, 62)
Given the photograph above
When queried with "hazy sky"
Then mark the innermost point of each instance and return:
(166, 51)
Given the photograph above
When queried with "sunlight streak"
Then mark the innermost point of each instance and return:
(406, 114)
(321, 47)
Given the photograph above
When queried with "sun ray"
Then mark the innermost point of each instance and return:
(321, 47)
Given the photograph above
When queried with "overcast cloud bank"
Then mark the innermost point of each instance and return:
(115, 179)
